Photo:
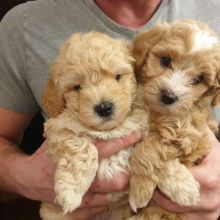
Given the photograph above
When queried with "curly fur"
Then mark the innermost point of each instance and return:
(91, 69)
(178, 68)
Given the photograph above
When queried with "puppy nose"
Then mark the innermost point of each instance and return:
(104, 109)
(167, 97)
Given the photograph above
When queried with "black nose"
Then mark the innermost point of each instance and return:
(104, 109)
(167, 97)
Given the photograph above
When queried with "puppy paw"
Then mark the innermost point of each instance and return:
(188, 193)
(180, 185)
(69, 201)
(138, 199)
(67, 197)
(137, 203)
(141, 192)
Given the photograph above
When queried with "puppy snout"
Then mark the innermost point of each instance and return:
(104, 109)
(168, 97)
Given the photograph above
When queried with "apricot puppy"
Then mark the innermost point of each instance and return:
(89, 96)
(178, 66)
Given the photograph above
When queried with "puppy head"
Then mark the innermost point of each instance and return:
(179, 65)
(92, 78)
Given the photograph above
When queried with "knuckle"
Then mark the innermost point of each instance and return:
(101, 150)
(133, 138)
(119, 184)
(211, 182)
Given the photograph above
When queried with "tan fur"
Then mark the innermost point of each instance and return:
(144, 42)
(91, 61)
(52, 102)
(177, 136)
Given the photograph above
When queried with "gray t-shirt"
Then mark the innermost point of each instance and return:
(32, 33)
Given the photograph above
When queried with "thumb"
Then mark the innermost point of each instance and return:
(109, 147)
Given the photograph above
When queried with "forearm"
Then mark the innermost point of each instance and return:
(29, 176)
(11, 161)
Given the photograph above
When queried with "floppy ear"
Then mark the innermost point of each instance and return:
(52, 102)
(144, 41)
(216, 91)
(215, 78)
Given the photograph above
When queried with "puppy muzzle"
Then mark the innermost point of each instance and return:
(104, 109)
(168, 97)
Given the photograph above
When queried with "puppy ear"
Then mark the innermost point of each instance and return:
(216, 91)
(213, 81)
(52, 102)
(213, 76)
(144, 41)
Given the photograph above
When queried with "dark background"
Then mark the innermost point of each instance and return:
(16, 208)
(5, 5)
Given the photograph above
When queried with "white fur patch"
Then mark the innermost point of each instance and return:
(177, 80)
(203, 40)
(117, 163)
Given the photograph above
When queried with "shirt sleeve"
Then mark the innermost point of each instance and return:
(15, 93)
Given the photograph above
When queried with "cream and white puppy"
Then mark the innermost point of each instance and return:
(91, 95)
(178, 66)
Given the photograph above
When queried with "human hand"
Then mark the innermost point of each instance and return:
(208, 175)
(40, 172)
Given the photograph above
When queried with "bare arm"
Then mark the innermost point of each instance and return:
(11, 131)
(17, 170)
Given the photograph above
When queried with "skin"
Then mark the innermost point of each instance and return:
(130, 13)
(37, 180)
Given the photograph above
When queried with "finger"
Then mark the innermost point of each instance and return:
(88, 213)
(198, 215)
(96, 200)
(194, 216)
(107, 148)
(167, 204)
(206, 172)
(103, 216)
(118, 183)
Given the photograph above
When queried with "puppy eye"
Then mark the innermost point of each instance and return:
(165, 62)
(77, 88)
(118, 77)
(197, 80)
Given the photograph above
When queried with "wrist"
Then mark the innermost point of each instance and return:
(11, 171)
(36, 177)
(21, 180)
(29, 176)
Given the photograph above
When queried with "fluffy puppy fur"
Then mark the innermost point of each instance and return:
(89, 96)
(178, 66)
